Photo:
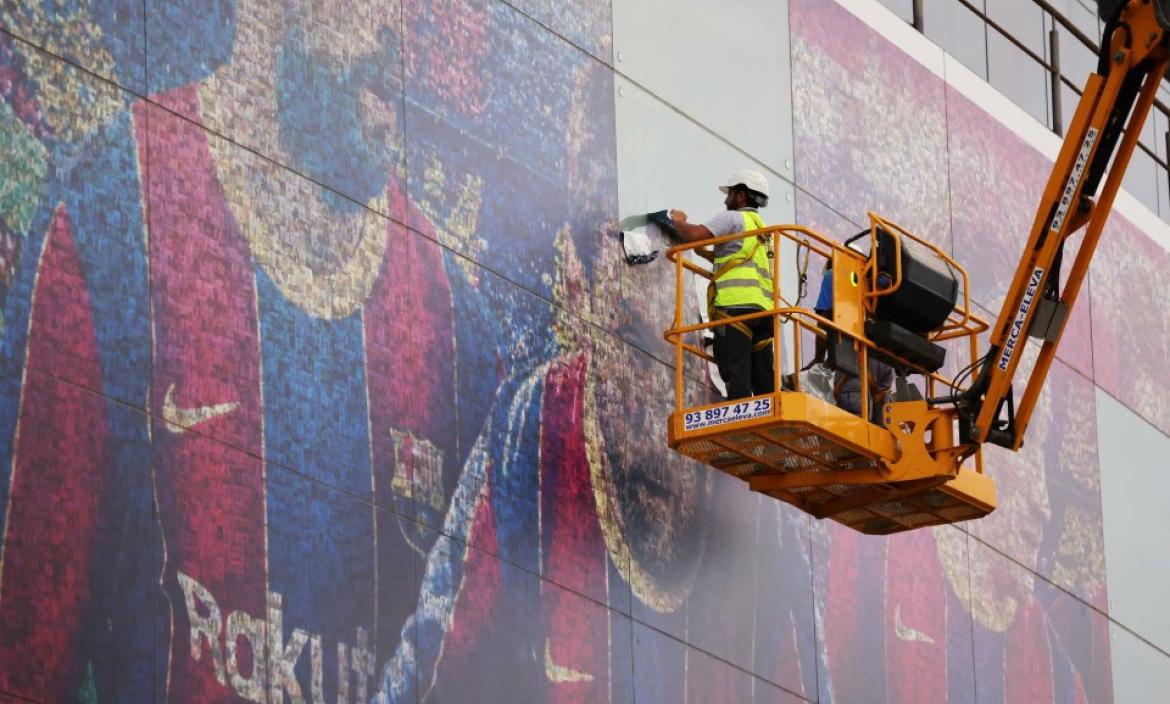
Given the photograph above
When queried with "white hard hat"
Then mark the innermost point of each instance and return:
(750, 178)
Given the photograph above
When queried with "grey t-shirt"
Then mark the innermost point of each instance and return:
(728, 222)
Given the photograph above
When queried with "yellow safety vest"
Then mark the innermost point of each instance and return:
(743, 272)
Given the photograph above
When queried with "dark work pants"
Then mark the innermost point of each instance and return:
(745, 372)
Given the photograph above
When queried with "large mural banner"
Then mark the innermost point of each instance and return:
(322, 378)
(247, 359)
(332, 415)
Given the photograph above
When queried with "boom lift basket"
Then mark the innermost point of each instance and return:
(906, 471)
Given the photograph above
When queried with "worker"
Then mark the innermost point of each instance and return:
(824, 305)
(742, 284)
(824, 308)
(847, 388)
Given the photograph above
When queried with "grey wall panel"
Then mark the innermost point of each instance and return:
(1140, 673)
(667, 161)
(729, 69)
(1135, 481)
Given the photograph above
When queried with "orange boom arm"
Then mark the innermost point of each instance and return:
(1098, 147)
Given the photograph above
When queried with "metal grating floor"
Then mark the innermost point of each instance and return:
(873, 508)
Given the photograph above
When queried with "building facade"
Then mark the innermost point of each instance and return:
(322, 378)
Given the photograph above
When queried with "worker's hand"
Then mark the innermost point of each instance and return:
(678, 217)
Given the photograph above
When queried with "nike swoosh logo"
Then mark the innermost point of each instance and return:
(179, 420)
(906, 633)
(560, 673)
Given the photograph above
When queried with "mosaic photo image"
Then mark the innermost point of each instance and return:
(323, 377)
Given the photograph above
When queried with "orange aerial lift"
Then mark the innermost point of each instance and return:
(905, 302)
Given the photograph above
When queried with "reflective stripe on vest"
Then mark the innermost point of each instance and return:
(748, 283)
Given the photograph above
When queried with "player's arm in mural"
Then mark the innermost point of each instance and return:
(501, 465)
